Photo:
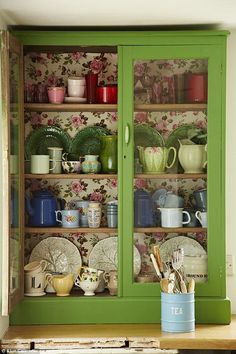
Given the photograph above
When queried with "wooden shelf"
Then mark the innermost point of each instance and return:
(84, 107)
(181, 107)
(171, 175)
(170, 229)
(70, 107)
(70, 176)
(44, 230)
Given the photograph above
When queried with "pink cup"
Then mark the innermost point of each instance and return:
(56, 94)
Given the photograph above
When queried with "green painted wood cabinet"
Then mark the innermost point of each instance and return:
(156, 97)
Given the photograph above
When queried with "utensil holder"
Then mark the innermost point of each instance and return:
(177, 312)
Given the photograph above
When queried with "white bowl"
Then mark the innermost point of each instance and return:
(79, 80)
(71, 166)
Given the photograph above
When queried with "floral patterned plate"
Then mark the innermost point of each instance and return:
(39, 140)
(191, 247)
(87, 141)
(104, 256)
(61, 255)
(185, 131)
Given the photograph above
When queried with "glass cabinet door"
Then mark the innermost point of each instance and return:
(172, 169)
(12, 174)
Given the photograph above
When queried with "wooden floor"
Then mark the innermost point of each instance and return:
(117, 336)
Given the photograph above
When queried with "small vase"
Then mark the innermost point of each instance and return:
(94, 215)
(108, 155)
(91, 164)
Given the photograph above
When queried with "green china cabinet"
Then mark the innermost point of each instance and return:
(170, 126)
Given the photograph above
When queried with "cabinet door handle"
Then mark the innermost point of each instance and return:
(127, 134)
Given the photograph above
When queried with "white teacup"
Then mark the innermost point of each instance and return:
(173, 217)
(87, 286)
(202, 217)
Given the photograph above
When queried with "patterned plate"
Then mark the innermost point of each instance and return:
(87, 141)
(144, 135)
(39, 140)
(191, 247)
(61, 254)
(104, 256)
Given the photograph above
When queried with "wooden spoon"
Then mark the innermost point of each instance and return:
(191, 285)
(164, 282)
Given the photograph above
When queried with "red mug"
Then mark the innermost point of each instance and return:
(196, 88)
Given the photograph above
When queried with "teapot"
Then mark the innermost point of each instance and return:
(41, 209)
(155, 158)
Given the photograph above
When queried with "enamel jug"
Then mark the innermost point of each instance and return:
(41, 209)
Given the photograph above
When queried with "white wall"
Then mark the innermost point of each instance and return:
(4, 321)
(231, 163)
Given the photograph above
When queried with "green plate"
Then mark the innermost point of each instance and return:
(87, 141)
(39, 140)
(144, 135)
(185, 131)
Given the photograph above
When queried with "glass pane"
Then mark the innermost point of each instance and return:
(170, 165)
(96, 241)
(14, 174)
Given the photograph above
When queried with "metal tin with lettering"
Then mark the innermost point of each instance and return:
(177, 312)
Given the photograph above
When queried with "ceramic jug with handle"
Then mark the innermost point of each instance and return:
(193, 158)
(155, 158)
(62, 283)
(41, 209)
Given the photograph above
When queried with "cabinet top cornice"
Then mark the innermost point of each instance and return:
(109, 36)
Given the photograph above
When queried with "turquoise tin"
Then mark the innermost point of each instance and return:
(177, 312)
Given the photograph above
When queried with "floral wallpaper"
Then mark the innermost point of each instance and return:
(155, 81)
(54, 69)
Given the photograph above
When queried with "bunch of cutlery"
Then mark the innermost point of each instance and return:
(171, 274)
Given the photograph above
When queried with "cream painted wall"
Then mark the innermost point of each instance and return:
(231, 163)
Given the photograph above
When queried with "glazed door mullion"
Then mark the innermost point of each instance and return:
(212, 54)
(12, 177)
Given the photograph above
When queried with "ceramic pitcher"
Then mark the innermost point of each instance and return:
(111, 279)
(193, 158)
(62, 283)
(155, 159)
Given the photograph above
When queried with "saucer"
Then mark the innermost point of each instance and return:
(35, 294)
(75, 99)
